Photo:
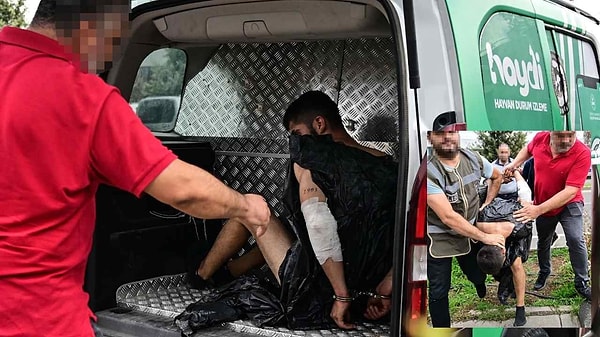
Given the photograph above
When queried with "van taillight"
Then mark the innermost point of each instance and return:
(417, 253)
(421, 216)
(418, 303)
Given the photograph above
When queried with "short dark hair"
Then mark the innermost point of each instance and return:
(310, 105)
(64, 13)
(490, 259)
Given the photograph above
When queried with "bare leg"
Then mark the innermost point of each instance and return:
(230, 240)
(274, 244)
(519, 281)
(503, 228)
(251, 259)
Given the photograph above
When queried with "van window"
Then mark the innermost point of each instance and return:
(157, 88)
(514, 76)
(135, 3)
(578, 59)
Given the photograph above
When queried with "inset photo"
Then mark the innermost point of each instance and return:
(509, 229)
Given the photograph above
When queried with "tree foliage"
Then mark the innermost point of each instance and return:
(164, 78)
(587, 138)
(490, 140)
(12, 13)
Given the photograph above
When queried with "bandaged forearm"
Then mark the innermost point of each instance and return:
(322, 230)
(524, 191)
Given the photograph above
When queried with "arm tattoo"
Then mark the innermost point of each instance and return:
(310, 190)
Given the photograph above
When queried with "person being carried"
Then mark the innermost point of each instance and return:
(337, 243)
(453, 176)
(506, 263)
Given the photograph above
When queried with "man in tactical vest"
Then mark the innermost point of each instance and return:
(453, 175)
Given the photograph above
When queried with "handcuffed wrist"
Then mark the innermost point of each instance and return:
(383, 297)
(343, 298)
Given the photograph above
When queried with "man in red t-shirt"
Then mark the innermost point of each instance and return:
(62, 133)
(561, 163)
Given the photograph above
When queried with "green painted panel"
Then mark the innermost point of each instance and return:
(468, 19)
(509, 28)
(588, 103)
(487, 332)
(517, 96)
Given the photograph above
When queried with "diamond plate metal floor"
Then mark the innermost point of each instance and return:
(147, 308)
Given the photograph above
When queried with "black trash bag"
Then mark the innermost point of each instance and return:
(500, 210)
(361, 191)
(505, 283)
(204, 315)
(517, 244)
(244, 298)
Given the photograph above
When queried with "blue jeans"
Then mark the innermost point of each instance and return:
(571, 219)
(439, 276)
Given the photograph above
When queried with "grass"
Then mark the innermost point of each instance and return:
(560, 291)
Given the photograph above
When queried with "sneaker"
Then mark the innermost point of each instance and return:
(585, 291)
(481, 290)
(540, 283)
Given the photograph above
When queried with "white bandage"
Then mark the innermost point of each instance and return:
(524, 191)
(322, 230)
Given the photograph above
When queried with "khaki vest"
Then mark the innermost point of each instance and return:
(460, 187)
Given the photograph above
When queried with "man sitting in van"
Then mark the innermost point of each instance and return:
(335, 252)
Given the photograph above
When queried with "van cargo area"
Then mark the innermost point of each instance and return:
(230, 123)
(148, 307)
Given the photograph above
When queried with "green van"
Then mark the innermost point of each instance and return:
(396, 68)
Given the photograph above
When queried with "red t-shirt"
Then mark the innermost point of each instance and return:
(62, 133)
(553, 174)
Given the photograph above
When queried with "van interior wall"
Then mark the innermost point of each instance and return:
(238, 100)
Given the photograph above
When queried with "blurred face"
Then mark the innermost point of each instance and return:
(503, 153)
(562, 141)
(97, 39)
(445, 143)
(301, 129)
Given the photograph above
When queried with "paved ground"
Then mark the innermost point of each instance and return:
(546, 317)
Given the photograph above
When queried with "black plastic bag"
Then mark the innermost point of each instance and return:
(245, 298)
(500, 210)
(361, 193)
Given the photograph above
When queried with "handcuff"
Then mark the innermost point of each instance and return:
(360, 293)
